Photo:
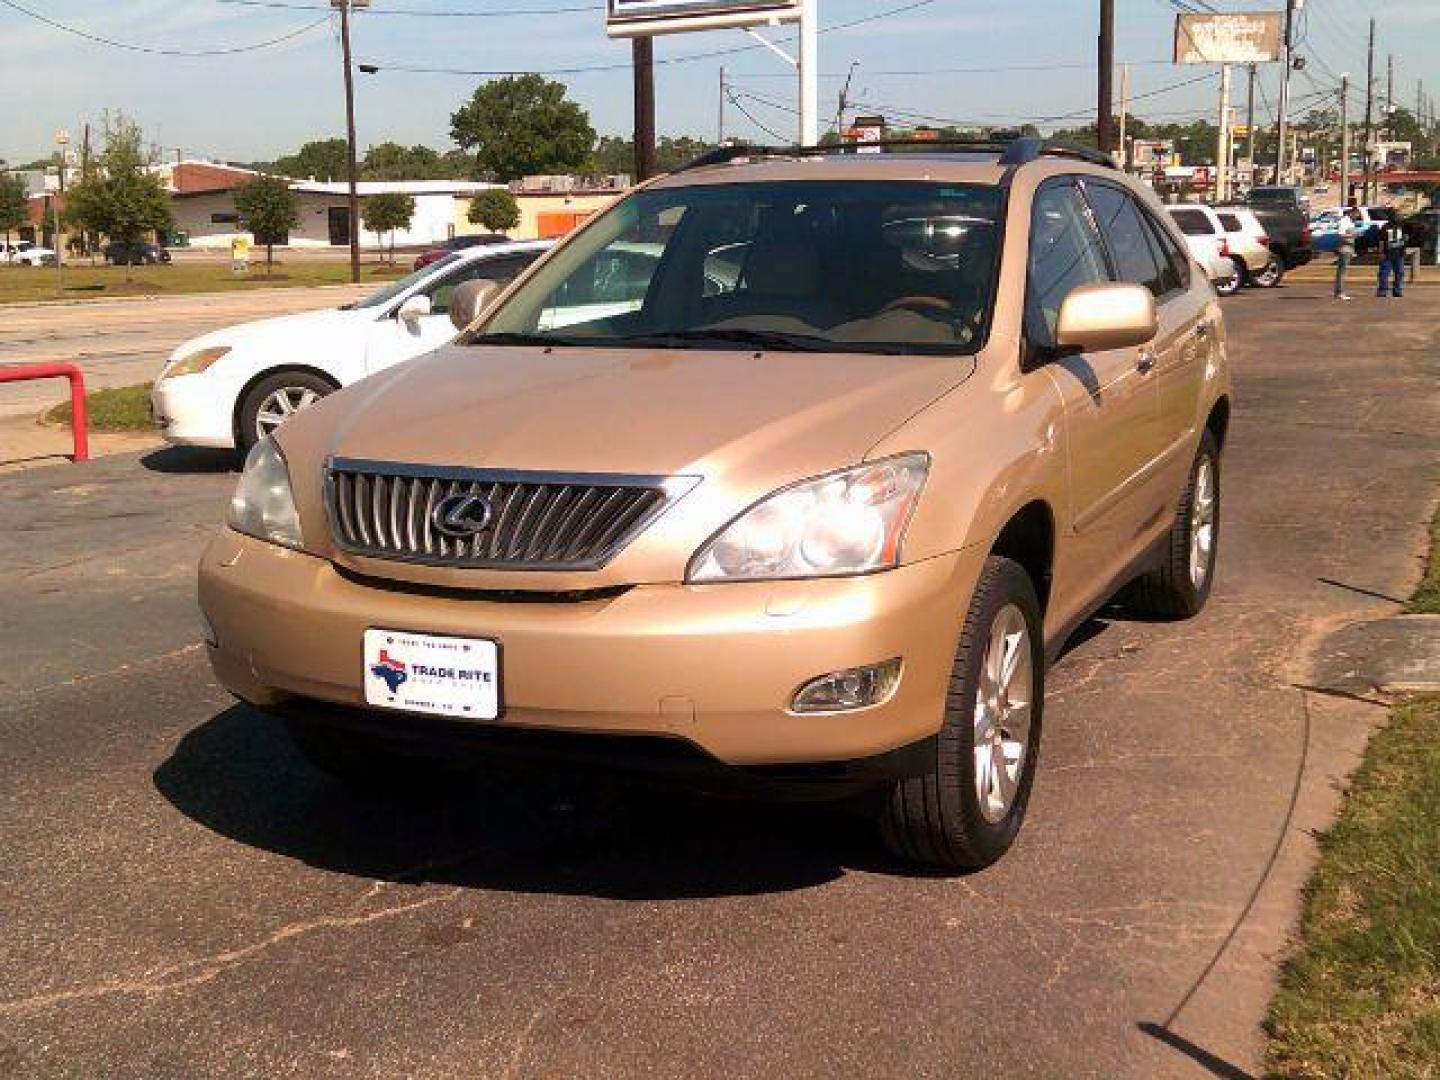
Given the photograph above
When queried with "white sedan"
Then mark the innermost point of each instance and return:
(25, 253)
(232, 387)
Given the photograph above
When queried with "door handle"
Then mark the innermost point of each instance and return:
(1202, 330)
(1145, 362)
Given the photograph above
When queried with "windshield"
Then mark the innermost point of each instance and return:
(381, 297)
(823, 266)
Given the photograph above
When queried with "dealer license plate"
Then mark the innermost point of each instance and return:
(428, 673)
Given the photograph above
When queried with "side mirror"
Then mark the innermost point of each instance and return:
(413, 309)
(469, 301)
(1097, 317)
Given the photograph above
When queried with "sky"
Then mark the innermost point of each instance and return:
(972, 61)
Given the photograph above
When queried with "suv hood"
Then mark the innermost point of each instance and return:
(745, 423)
(697, 412)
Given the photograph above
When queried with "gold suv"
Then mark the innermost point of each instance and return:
(796, 467)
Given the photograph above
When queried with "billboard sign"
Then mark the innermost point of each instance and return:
(643, 18)
(1229, 38)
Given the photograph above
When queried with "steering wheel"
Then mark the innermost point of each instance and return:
(920, 303)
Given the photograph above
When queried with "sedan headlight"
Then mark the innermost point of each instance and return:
(849, 522)
(263, 506)
(195, 362)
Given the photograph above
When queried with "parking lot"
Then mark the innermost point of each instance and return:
(182, 895)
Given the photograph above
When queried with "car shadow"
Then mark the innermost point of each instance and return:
(190, 459)
(553, 832)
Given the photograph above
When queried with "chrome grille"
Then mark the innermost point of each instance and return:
(537, 521)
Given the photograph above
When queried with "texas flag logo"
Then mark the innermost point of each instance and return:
(389, 671)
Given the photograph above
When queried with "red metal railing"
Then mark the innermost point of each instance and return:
(79, 425)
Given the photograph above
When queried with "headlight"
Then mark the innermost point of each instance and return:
(848, 522)
(263, 506)
(196, 362)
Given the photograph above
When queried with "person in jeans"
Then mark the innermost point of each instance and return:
(1344, 254)
(1392, 260)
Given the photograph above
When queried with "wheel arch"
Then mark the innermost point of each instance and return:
(1028, 538)
(1218, 422)
(265, 373)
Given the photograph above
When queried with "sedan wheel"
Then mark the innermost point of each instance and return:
(274, 400)
(280, 406)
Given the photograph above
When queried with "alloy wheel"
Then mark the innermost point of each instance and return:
(1202, 523)
(280, 405)
(1003, 702)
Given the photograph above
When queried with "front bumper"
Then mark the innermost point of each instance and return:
(193, 410)
(713, 665)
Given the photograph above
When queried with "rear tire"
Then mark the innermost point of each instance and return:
(1231, 285)
(274, 399)
(1179, 587)
(1269, 275)
(967, 812)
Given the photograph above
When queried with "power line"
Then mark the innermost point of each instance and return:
(155, 50)
(426, 14)
(914, 5)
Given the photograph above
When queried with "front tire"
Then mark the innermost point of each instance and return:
(1179, 587)
(966, 813)
(273, 400)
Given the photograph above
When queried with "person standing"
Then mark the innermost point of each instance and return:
(1392, 259)
(1344, 254)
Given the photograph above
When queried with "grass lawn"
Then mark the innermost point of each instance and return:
(125, 408)
(1361, 997)
(83, 281)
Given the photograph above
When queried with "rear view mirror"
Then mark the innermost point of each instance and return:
(469, 301)
(1097, 317)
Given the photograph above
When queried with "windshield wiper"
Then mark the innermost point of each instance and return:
(510, 338)
(775, 340)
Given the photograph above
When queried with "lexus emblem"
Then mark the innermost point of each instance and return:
(461, 516)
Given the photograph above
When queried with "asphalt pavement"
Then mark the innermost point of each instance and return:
(180, 895)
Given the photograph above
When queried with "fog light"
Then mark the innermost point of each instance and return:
(853, 688)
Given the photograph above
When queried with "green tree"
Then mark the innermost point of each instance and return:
(268, 208)
(12, 203)
(323, 159)
(523, 125)
(387, 212)
(121, 196)
(391, 161)
(495, 209)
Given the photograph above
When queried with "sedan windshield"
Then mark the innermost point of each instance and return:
(381, 297)
(796, 266)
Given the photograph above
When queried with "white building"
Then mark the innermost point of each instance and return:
(202, 203)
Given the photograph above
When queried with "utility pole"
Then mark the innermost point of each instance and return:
(344, 7)
(1124, 117)
(1105, 105)
(1287, 58)
(643, 52)
(1369, 113)
(1389, 86)
(720, 127)
(1345, 139)
(844, 100)
(1222, 153)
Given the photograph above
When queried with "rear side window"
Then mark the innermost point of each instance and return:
(1230, 223)
(1174, 260)
(1120, 224)
(1193, 222)
(1065, 253)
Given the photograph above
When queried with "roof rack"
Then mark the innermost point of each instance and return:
(1011, 150)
